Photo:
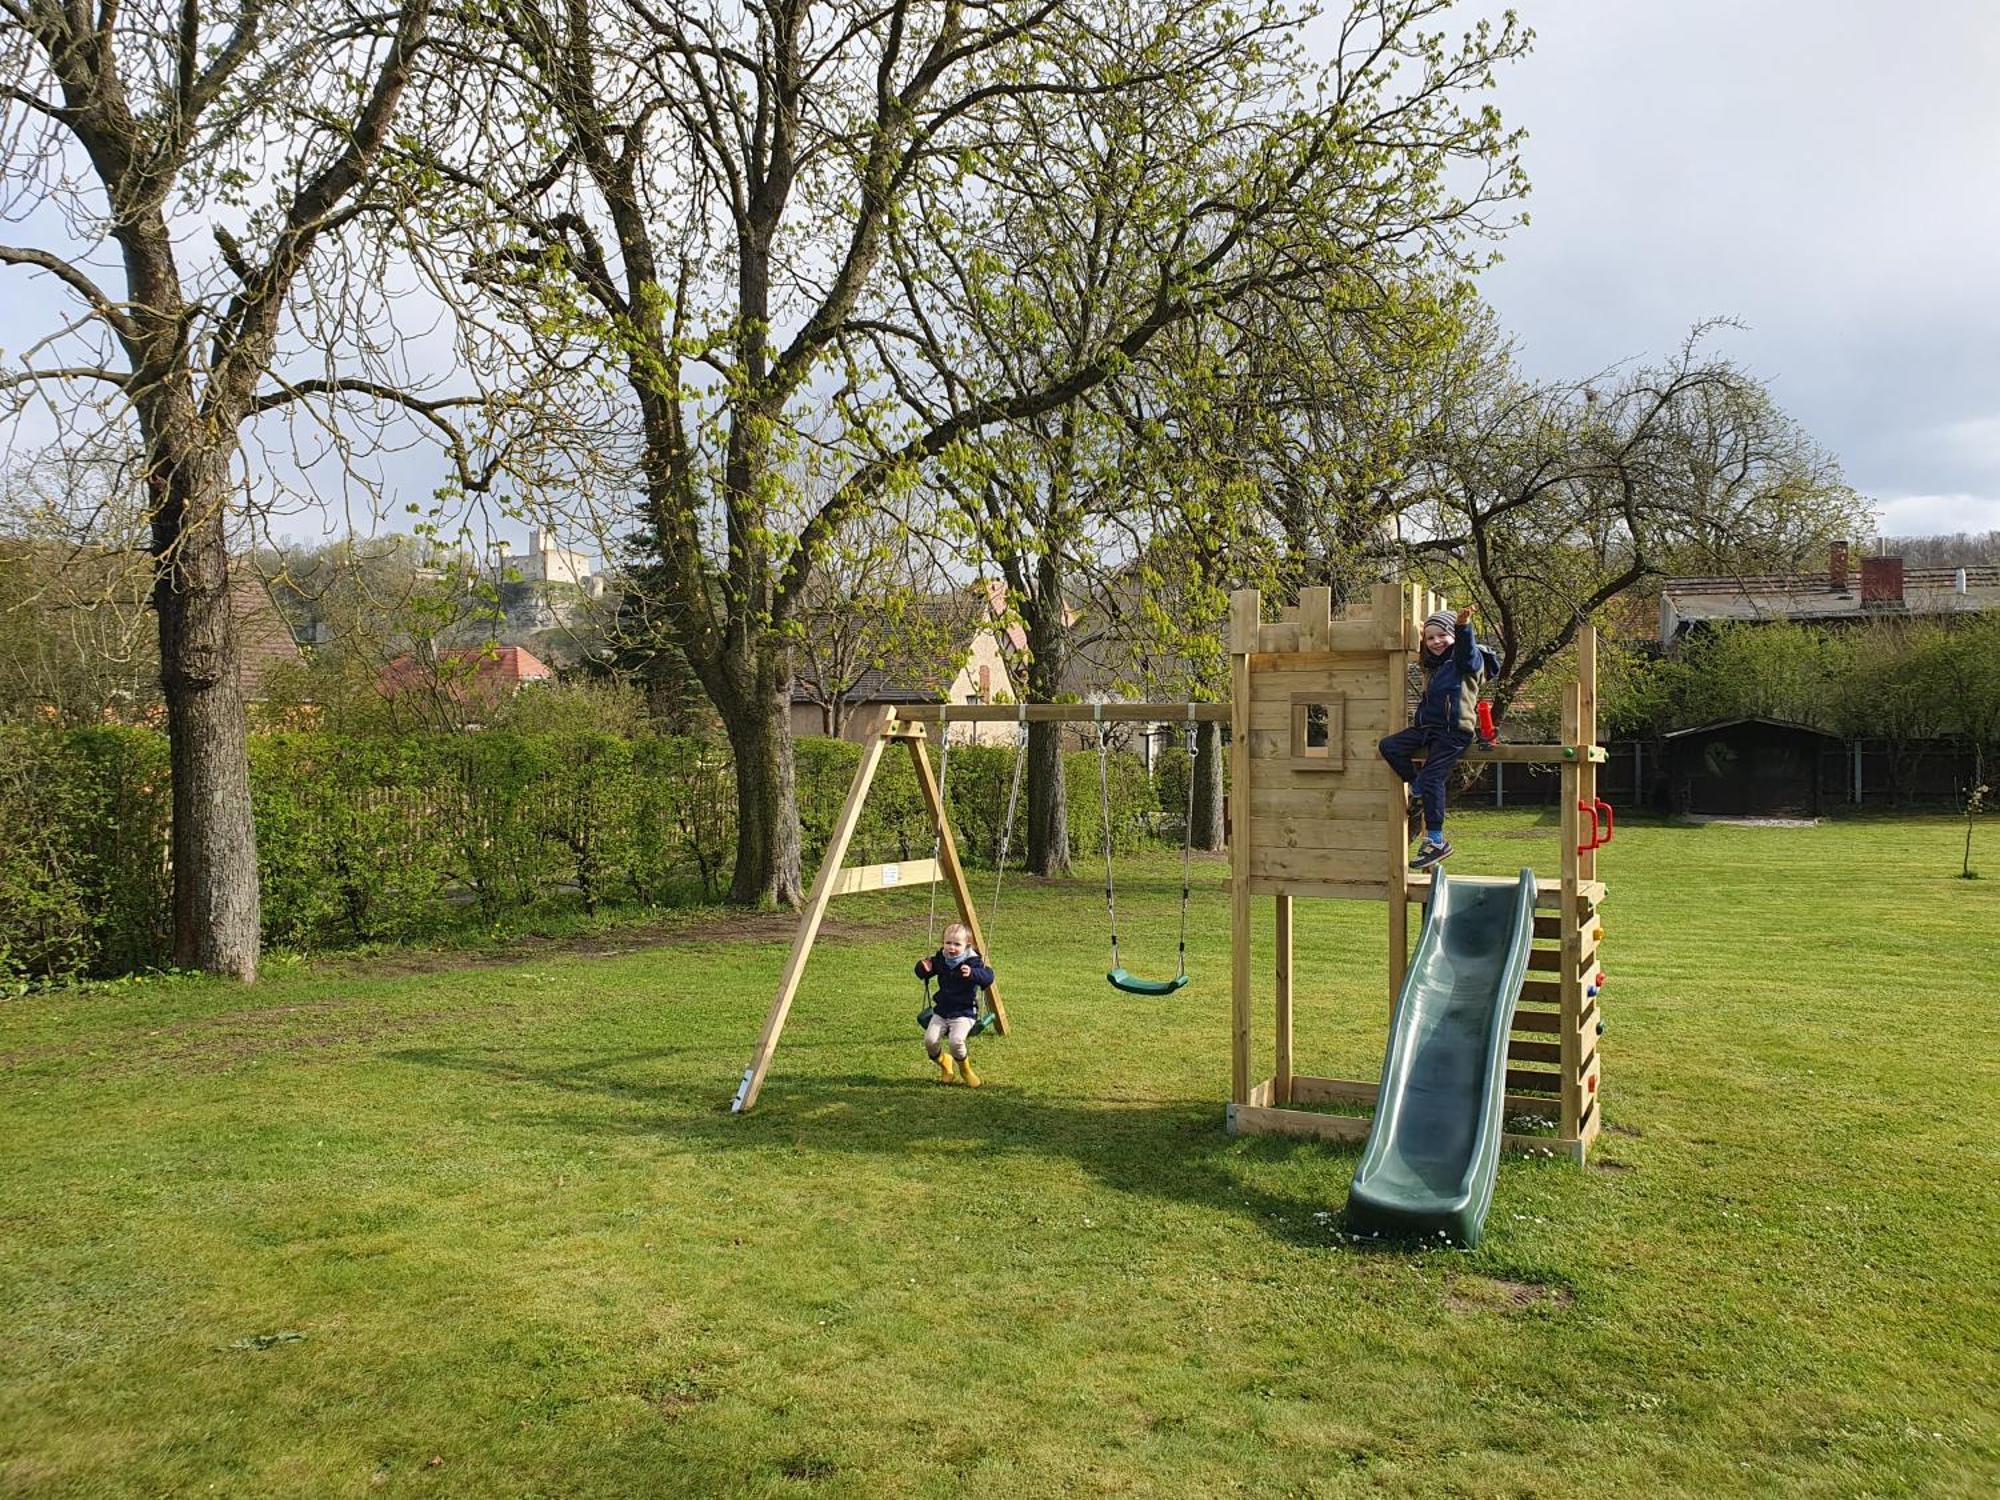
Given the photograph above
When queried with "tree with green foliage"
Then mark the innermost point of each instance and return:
(752, 233)
(697, 211)
(882, 601)
(1283, 431)
(1967, 671)
(1892, 689)
(1772, 670)
(1174, 202)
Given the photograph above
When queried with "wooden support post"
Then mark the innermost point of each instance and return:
(1245, 617)
(809, 920)
(1281, 1071)
(954, 872)
(1590, 1084)
(1397, 814)
(1586, 734)
(1572, 927)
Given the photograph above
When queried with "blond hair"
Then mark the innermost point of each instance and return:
(960, 931)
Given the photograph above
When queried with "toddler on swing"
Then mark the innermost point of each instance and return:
(961, 975)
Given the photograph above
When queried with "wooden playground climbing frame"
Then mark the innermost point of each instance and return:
(1335, 825)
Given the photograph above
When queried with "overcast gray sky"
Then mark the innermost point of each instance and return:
(1826, 171)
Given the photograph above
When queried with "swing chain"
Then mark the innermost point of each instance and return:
(1104, 816)
(1187, 829)
(1007, 825)
(937, 838)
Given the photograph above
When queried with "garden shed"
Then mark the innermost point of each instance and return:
(1753, 767)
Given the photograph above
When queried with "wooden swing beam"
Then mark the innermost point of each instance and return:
(1061, 713)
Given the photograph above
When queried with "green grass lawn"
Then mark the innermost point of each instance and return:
(481, 1226)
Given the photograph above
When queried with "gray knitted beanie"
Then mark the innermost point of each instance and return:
(1445, 620)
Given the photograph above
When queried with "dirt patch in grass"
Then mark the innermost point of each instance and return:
(216, 1043)
(1469, 1294)
(707, 931)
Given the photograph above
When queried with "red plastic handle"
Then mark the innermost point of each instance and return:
(1610, 823)
(1594, 827)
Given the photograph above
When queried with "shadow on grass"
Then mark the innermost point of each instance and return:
(1169, 1151)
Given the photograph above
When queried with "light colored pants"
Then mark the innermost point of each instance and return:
(955, 1028)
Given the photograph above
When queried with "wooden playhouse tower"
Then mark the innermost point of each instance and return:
(1316, 813)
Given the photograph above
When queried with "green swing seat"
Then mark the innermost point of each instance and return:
(1120, 977)
(1132, 984)
(989, 1020)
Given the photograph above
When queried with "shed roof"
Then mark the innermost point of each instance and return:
(1750, 719)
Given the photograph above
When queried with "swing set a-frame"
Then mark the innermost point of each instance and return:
(910, 726)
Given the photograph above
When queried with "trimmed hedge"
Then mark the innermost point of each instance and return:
(84, 881)
(384, 840)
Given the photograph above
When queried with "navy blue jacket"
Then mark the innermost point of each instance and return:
(1451, 682)
(956, 996)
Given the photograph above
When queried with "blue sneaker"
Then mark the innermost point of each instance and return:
(1430, 853)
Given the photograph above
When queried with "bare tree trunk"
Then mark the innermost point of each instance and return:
(1048, 801)
(1207, 772)
(758, 722)
(214, 839)
(1048, 804)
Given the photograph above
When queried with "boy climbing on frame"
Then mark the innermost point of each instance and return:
(1455, 665)
(961, 975)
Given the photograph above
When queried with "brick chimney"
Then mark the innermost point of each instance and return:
(1836, 569)
(1881, 583)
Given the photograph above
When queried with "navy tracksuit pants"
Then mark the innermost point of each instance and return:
(1441, 749)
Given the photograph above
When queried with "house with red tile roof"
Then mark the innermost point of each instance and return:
(466, 677)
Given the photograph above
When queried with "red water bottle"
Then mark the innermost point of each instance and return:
(1487, 733)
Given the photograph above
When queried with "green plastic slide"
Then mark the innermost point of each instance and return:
(1431, 1156)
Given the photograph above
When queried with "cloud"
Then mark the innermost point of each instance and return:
(1805, 166)
(1931, 515)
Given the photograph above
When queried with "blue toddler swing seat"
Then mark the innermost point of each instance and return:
(1120, 977)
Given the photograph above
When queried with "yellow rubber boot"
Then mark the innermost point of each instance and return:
(944, 1067)
(965, 1073)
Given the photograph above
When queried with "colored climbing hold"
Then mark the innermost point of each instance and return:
(1569, 752)
(1597, 935)
(1590, 1083)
